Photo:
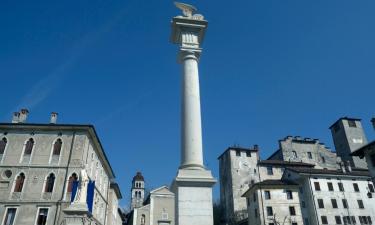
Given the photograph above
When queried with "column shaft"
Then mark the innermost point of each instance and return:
(191, 139)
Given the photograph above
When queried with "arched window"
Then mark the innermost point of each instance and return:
(50, 183)
(19, 183)
(57, 147)
(29, 146)
(294, 154)
(3, 144)
(72, 178)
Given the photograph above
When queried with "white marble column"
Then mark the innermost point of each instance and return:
(193, 183)
(191, 129)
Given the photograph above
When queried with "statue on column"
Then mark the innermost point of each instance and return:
(82, 188)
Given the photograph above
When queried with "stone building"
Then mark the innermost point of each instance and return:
(137, 191)
(158, 209)
(348, 136)
(39, 164)
(312, 196)
(307, 150)
(114, 216)
(367, 152)
(274, 202)
(240, 168)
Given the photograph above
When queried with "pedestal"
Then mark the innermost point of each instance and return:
(77, 214)
(193, 197)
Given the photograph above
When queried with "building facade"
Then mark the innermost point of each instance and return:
(39, 164)
(274, 202)
(158, 209)
(348, 136)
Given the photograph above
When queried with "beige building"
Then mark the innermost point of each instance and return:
(158, 209)
(39, 164)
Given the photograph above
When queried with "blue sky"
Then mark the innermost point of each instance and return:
(269, 69)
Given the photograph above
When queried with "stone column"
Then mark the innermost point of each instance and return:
(193, 183)
(191, 129)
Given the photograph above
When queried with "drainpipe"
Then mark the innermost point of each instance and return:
(58, 204)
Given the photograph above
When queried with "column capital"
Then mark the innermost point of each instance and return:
(186, 53)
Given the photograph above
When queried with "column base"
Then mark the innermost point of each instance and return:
(77, 214)
(193, 197)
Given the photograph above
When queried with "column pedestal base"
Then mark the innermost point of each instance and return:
(77, 214)
(193, 197)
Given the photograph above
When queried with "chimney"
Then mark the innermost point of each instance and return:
(53, 119)
(23, 115)
(16, 117)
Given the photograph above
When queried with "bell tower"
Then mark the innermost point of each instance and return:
(137, 191)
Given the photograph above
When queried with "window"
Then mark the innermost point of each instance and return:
(269, 170)
(292, 211)
(42, 216)
(324, 220)
(372, 158)
(29, 146)
(294, 154)
(248, 154)
(363, 220)
(267, 194)
(317, 186)
(10, 216)
(334, 203)
(323, 159)
(345, 203)
(289, 194)
(50, 183)
(338, 219)
(143, 219)
(294, 223)
(269, 211)
(341, 187)
(72, 178)
(320, 203)
(355, 186)
(57, 147)
(3, 144)
(360, 204)
(256, 213)
(352, 123)
(330, 186)
(371, 188)
(346, 220)
(353, 219)
(19, 183)
(369, 220)
(271, 224)
(238, 153)
(309, 155)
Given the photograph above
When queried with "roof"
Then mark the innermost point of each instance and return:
(238, 148)
(138, 177)
(344, 118)
(270, 183)
(285, 163)
(363, 173)
(58, 127)
(116, 188)
(361, 151)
